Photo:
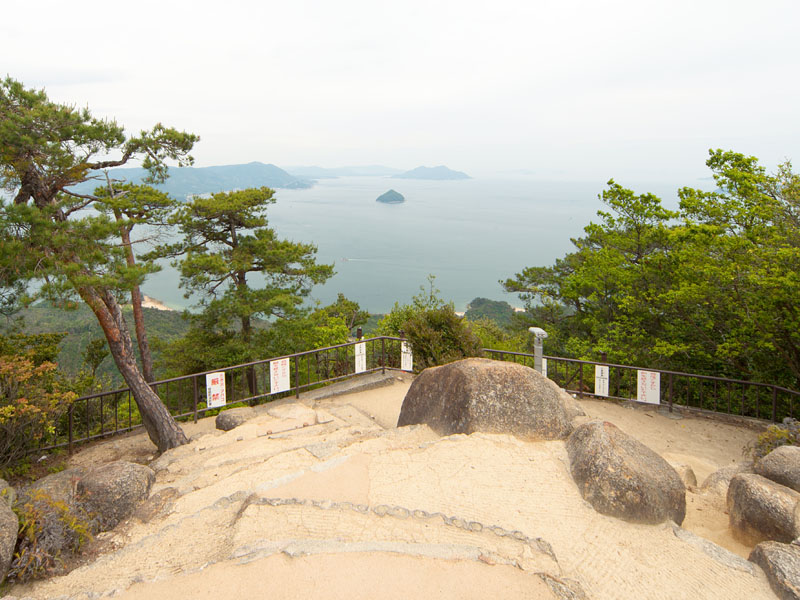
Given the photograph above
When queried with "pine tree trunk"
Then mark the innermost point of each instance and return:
(164, 432)
(138, 313)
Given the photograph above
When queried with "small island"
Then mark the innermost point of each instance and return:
(391, 197)
(440, 173)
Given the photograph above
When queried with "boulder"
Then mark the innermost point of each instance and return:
(59, 487)
(7, 493)
(621, 477)
(782, 465)
(760, 509)
(686, 473)
(230, 419)
(781, 563)
(478, 394)
(112, 492)
(9, 527)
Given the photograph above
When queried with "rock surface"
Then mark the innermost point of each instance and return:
(112, 492)
(59, 487)
(478, 394)
(621, 477)
(230, 419)
(7, 493)
(782, 465)
(760, 509)
(781, 563)
(9, 526)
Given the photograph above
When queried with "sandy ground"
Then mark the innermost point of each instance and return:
(326, 498)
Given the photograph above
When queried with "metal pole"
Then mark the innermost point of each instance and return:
(538, 351)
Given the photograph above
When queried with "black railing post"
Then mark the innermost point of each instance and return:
(670, 392)
(774, 404)
(297, 377)
(70, 434)
(383, 355)
(359, 333)
(580, 380)
(195, 398)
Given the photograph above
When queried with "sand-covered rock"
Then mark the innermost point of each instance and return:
(112, 492)
(230, 419)
(782, 465)
(621, 477)
(478, 394)
(781, 563)
(61, 486)
(9, 526)
(761, 509)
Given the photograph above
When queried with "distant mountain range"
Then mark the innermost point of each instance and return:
(325, 173)
(440, 173)
(188, 181)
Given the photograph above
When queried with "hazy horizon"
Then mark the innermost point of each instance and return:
(568, 91)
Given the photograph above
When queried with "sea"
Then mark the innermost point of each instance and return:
(469, 234)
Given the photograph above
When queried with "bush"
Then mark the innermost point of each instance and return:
(439, 336)
(49, 532)
(33, 396)
(786, 434)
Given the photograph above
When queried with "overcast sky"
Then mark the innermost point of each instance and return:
(564, 89)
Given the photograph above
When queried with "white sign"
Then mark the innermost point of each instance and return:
(279, 376)
(361, 357)
(544, 367)
(406, 357)
(215, 390)
(601, 380)
(648, 388)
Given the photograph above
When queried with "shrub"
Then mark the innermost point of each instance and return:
(33, 396)
(439, 336)
(785, 434)
(49, 532)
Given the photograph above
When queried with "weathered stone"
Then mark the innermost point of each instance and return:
(230, 419)
(717, 483)
(718, 553)
(9, 526)
(112, 492)
(782, 465)
(621, 477)
(572, 406)
(760, 509)
(781, 563)
(61, 486)
(7, 493)
(478, 394)
(157, 505)
(686, 473)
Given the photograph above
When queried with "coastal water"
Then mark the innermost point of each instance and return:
(469, 234)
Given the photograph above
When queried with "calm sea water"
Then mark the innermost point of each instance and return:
(469, 234)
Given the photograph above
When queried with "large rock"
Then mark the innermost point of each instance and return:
(719, 480)
(478, 394)
(59, 487)
(230, 419)
(781, 563)
(760, 509)
(9, 526)
(621, 477)
(112, 492)
(782, 465)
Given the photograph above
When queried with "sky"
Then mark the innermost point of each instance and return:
(569, 90)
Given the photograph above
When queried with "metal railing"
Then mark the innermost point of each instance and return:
(107, 413)
(700, 392)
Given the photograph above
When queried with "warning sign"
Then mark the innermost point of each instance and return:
(279, 380)
(215, 390)
(601, 380)
(406, 357)
(648, 388)
(361, 357)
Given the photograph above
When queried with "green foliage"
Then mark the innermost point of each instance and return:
(439, 336)
(499, 312)
(787, 434)
(348, 310)
(49, 531)
(436, 333)
(32, 395)
(495, 337)
(709, 289)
